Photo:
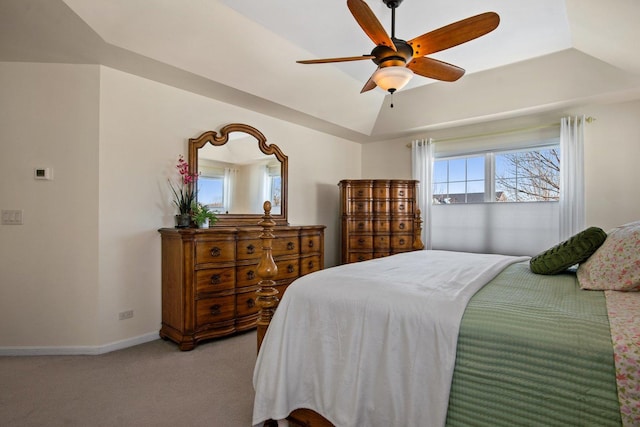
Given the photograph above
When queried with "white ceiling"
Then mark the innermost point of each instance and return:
(244, 51)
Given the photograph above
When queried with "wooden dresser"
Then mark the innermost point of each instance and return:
(209, 278)
(379, 218)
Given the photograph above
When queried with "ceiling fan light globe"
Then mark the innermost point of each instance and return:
(393, 78)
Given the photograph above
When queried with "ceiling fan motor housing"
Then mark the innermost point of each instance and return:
(392, 4)
(387, 57)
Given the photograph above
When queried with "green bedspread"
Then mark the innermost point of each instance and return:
(534, 351)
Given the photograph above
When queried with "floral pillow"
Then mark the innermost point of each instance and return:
(616, 264)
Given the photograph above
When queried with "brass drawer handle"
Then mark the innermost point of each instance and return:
(360, 206)
(401, 241)
(400, 207)
(215, 309)
(311, 245)
(215, 279)
(360, 192)
(361, 226)
(251, 303)
(251, 275)
(401, 192)
(361, 241)
(290, 268)
(251, 249)
(215, 252)
(361, 258)
(290, 246)
(401, 226)
(310, 265)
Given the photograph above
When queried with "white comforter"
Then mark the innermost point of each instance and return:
(371, 343)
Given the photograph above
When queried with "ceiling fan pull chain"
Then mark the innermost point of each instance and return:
(391, 99)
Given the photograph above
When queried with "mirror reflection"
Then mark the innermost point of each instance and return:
(238, 171)
(236, 178)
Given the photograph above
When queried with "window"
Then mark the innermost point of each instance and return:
(459, 180)
(211, 191)
(528, 176)
(525, 175)
(276, 188)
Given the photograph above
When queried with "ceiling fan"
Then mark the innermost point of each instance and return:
(398, 60)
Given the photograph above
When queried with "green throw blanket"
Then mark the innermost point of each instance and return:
(534, 351)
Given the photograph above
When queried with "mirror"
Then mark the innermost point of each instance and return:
(237, 171)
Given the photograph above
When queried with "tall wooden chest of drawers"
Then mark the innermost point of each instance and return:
(209, 276)
(379, 218)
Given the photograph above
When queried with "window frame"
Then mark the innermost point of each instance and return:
(490, 169)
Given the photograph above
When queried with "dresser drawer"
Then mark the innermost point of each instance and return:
(359, 207)
(355, 225)
(402, 191)
(288, 268)
(208, 251)
(310, 264)
(249, 249)
(212, 310)
(357, 192)
(247, 275)
(381, 206)
(360, 242)
(381, 226)
(360, 256)
(310, 243)
(246, 304)
(381, 242)
(402, 225)
(381, 191)
(286, 244)
(402, 207)
(215, 279)
(402, 242)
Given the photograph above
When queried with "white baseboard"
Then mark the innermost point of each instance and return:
(78, 350)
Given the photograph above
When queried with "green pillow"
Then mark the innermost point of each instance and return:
(572, 251)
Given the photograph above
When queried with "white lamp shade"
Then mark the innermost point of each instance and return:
(392, 78)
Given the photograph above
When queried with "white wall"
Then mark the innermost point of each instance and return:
(49, 265)
(612, 159)
(612, 152)
(113, 139)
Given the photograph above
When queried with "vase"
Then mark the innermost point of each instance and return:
(183, 220)
(204, 223)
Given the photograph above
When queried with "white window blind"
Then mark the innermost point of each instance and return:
(517, 228)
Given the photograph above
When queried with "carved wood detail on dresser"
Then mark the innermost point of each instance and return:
(209, 278)
(379, 218)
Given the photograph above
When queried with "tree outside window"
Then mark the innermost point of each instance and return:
(527, 175)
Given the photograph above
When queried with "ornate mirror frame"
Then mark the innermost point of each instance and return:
(268, 149)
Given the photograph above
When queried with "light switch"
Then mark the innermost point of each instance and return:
(12, 217)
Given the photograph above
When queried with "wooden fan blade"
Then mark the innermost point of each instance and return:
(434, 69)
(327, 60)
(370, 84)
(369, 23)
(454, 34)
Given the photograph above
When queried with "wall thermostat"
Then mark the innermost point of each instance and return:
(43, 173)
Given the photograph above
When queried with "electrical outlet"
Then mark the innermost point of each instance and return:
(125, 315)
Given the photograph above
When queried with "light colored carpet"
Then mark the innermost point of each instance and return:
(152, 384)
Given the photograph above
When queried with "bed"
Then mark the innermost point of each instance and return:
(506, 347)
